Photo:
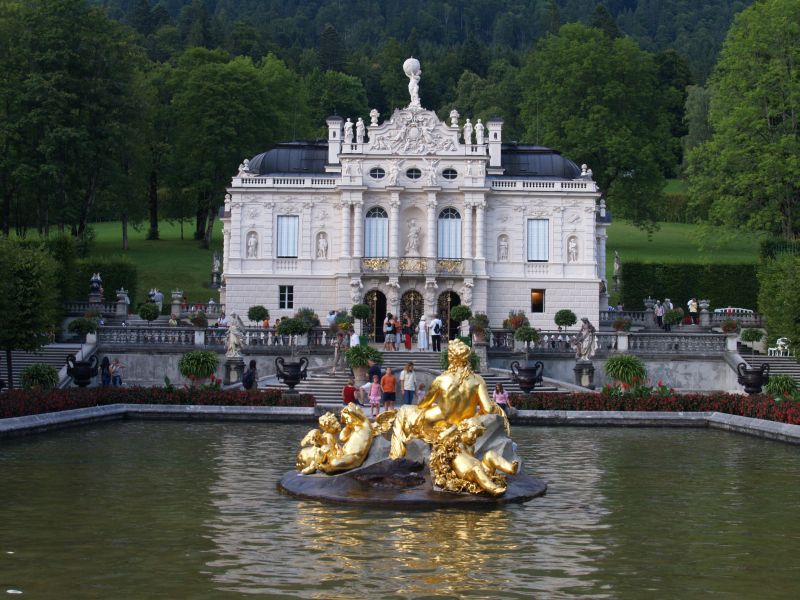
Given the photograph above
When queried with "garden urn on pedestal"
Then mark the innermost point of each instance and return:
(82, 371)
(291, 372)
(752, 378)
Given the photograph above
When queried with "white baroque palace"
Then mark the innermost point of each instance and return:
(414, 215)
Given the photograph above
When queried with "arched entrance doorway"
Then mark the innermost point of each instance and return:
(376, 301)
(448, 300)
(413, 304)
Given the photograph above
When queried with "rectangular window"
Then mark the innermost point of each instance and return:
(538, 240)
(288, 227)
(285, 296)
(537, 301)
(376, 237)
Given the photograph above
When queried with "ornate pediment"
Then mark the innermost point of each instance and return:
(415, 132)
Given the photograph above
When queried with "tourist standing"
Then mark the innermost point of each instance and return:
(354, 339)
(398, 336)
(388, 332)
(375, 396)
(116, 372)
(422, 334)
(338, 350)
(659, 311)
(693, 308)
(389, 387)
(407, 331)
(436, 334)
(408, 381)
(349, 392)
(250, 379)
(105, 373)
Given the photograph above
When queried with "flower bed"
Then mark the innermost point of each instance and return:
(758, 407)
(19, 403)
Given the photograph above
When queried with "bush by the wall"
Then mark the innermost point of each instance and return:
(722, 284)
(116, 273)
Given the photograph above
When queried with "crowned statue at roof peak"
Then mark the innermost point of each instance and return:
(411, 68)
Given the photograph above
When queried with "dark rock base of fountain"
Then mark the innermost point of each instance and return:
(400, 484)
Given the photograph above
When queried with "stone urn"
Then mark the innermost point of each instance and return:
(753, 378)
(82, 371)
(291, 372)
(527, 374)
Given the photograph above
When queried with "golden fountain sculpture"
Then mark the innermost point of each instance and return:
(448, 418)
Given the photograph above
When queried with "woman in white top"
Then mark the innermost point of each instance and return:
(422, 334)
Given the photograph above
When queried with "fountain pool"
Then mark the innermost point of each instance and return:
(142, 509)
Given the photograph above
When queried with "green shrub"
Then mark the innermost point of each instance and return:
(460, 312)
(674, 316)
(357, 356)
(479, 323)
(722, 284)
(779, 280)
(565, 318)
(308, 316)
(293, 326)
(149, 311)
(527, 334)
(781, 386)
(626, 368)
(199, 320)
(621, 324)
(198, 364)
(515, 320)
(82, 326)
(40, 376)
(474, 360)
(752, 335)
(257, 313)
(360, 311)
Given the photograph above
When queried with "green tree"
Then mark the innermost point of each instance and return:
(331, 49)
(745, 176)
(335, 93)
(698, 129)
(604, 113)
(28, 293)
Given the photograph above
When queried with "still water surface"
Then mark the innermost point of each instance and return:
(190, 510)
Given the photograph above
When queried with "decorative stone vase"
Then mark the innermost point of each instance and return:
(291, 372)
(82, 371)
(527, 375)
(753, 378)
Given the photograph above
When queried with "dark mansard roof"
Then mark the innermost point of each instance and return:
(309, 157)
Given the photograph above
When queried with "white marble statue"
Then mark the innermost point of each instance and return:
(411, 68)
(252, 245)
(479, 131)
(585, 342)
(412, 244)
(432, 172)
(393, 172)
(360, 130)
(322, 246)
(502, 253)
(373, 117)
(454, 118)
(468, 133)
(572, 250)
(235, 340)
(244, 168)
(348, 131)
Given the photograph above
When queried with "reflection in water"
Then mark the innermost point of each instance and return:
(191, 510)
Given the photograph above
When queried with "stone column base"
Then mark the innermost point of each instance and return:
(584, 374)
(234, 370)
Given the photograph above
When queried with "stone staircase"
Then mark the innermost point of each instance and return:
(327, 389)
(778, 365)
(54, 355)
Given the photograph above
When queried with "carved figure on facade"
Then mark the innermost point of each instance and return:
(360, 130)
(432, 164)
(322, 245)
(373, 117)
(356, 289)
(468, 133)
(244, 168)
(411, 68)
(572, 250)
(392, 172)
(430, 293)
(469, 168)
(414, 233)
(466, 292)
(479, 132)
(348, 131)
(252, 244)
(502, 248)
(454, 118)
(414, 132)
(393, 294)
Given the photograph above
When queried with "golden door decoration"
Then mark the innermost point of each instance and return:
(448, 300)
(376, 301)
(413, 304)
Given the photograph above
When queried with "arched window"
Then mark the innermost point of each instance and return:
(376, 233)
(449, 234)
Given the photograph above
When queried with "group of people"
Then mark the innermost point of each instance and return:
(380, 390)
(400, 332)
(111, 372)
(660, 310)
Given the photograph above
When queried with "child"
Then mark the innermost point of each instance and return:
(375, 396)
(349, 392)
(420, 393)
(389, 386)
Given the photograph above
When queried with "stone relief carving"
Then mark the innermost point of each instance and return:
(252, 212)
(356, 289)
(572, 250)
(413, 132)
(414, 236)
(252, 244)
(466, 292)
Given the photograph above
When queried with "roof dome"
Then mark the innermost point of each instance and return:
(291, 157)
(520, 160)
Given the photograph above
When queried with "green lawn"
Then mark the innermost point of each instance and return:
(168, 263)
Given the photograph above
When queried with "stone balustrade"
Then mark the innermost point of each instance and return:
(636, 317)
(543, 186)
(292, 182)
(79, 308)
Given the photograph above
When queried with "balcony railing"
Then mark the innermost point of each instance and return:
(293, 182)
(543, 186)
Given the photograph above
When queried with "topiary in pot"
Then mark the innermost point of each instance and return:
(257, 313)
(565, 318)
(39, 376)
(361, 312)
(357, 356)
(200, 320)
(621, 324)
(82, 326)
(729, 326)
(149, 311)
(479, 324)
(527, 334)
(674, 316)
(752, 336)
(626, 368)
(460, 312)
(515, 320)
(292, 327)
(198, 365)
(309, 316)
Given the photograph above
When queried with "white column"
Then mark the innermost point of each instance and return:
(394, 225)
(431, 242)
(358, 227)
(269, 234)
(480, 229)
(466, 234)
(346, 237)
(306, 234)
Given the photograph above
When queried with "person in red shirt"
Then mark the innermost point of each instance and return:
(349, 392)
(389, 387)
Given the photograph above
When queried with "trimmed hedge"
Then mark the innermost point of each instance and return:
(721, 284)
(757, 407)
(20, 403)
(116, 273)
(770, 248)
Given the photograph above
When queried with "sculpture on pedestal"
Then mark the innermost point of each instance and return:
(479, 131)
(585, 342)
(348, 131)
(411, 68)
(360, 130)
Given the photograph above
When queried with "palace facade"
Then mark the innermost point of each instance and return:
(414, 215)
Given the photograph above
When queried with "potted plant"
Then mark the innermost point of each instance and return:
(357, 358)
(308, 316)
(83, 326)
(673, 317)
(565, 318)
(515, 320)
(341, 322)
(198, 365)
(626, 368)
(781, 387)
(199, 320)
(529, 373)
(148, 311)
(729, 326)
(752, 336)
(479, 325)
(361, 312)
(292, 327)
(257, 314)
(461, 313)
(621, 324)
(39, 376)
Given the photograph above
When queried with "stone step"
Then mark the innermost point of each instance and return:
(54, 355)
